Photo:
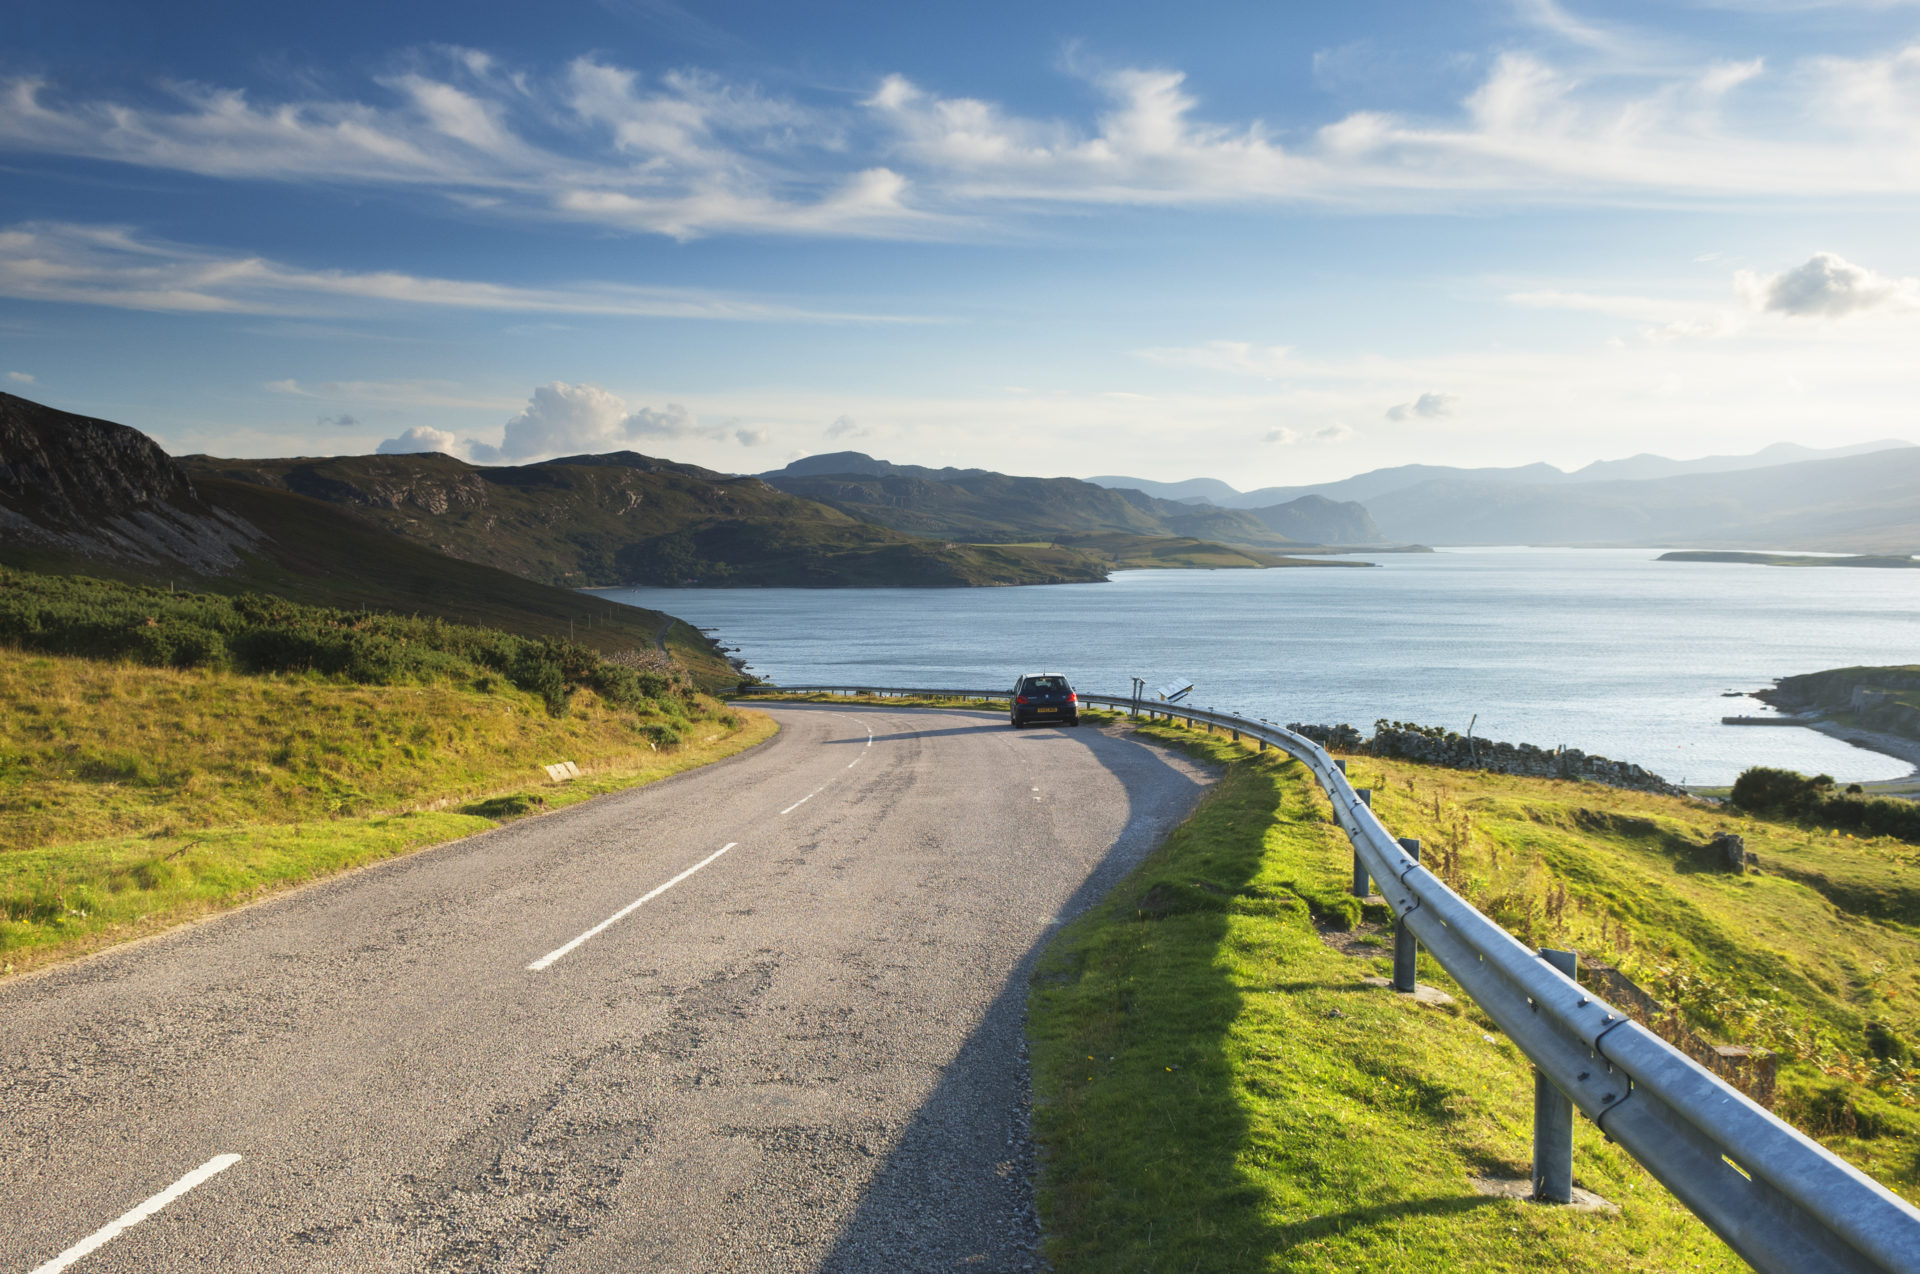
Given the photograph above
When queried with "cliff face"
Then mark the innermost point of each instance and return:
(102, 490)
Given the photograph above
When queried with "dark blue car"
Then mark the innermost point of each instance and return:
(1044, 698)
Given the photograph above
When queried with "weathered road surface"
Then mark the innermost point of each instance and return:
(804, 1055)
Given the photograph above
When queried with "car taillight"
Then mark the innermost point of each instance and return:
(1020, 699)
(1072, 697)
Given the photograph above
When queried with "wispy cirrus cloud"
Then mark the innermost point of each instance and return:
(685, 155)
(690, 153)
(118, 266)
(1531, 130)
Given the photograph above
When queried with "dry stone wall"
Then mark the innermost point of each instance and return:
(1429, 746)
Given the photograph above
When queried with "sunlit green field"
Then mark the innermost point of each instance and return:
(132, 797)
(1217, 1089)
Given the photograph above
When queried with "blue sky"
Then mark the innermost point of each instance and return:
(1269, 243)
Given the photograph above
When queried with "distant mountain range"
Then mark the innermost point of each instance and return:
(625, 518)
(1863, 498)
(1379, 482)
(981, 505)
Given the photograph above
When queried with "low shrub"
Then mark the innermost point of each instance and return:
(65, 615)
(1786, 794)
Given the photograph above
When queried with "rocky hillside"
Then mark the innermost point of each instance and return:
(625, 518)
(80, 496)
(1884, 699)
(74, 484)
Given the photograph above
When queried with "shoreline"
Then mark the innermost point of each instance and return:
(1893, 745)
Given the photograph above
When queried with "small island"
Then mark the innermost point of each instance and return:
(1881, 560)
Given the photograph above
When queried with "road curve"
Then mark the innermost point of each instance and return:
(804, 1053)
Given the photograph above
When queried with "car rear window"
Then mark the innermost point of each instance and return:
(1047, 685)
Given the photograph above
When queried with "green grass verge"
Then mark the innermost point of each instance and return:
(132, 797)
(1216, 1089)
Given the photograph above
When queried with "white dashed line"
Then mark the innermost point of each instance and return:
(802, 801)
(627, 910)
(111, 1231)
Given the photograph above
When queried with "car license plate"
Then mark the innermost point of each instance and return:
(1046, 709)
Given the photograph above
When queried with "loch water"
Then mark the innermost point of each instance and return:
(1606, 650)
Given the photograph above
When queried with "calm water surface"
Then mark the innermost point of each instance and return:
(1604, 650)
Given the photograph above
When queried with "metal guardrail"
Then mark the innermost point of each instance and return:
(1785, 1203)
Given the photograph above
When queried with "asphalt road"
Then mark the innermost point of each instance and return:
(806, 1054)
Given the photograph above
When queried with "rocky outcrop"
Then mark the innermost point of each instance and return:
(1882, 699)
(1430, 746)
(80, 485)
(1730, 852)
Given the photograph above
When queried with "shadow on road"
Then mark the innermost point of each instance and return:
(956, 1193)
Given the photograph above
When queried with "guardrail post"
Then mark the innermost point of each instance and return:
(1404, 947)
(1340, 765)
(1360, 886)
(1553, 1117)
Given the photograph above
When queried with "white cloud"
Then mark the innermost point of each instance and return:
(581, 419)
(1825, 286)
(1282, 436)
(1531, 130)
(419, 439)
(1428, 406)
(23, 378)
(1336, 432)
(117, 266)
(687, 155)
(1828, 286)
(845, 427)
(564, 419)
(691, 153)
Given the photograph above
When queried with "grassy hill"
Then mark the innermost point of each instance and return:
(91, 497)
(630, 519)
(164, 754)
(1216, 1087)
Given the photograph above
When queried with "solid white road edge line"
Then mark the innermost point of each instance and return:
(112, 1230)
(627, 910)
